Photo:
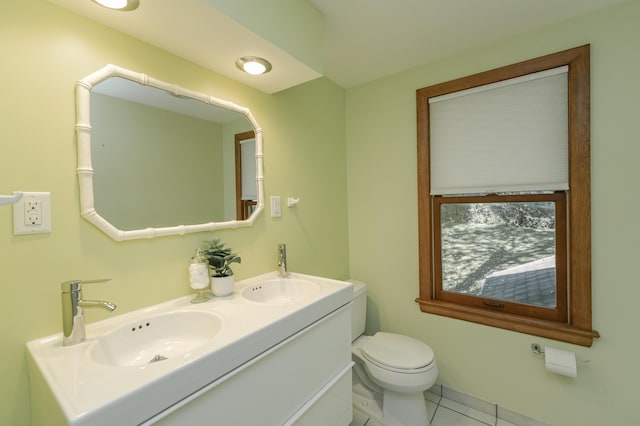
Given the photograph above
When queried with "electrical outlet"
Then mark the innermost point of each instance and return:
(32, 214)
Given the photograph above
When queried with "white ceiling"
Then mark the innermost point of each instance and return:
(368, 39)
(362, 40)
(194, 30)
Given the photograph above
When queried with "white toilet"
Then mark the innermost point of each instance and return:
(390, 374)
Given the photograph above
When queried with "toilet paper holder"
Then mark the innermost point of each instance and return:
(536, 348)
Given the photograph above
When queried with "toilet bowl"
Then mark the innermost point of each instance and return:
(391, 372)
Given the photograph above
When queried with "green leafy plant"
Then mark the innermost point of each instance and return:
(219, 258)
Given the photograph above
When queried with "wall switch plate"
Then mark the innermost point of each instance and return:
(32, 214)
(275, 206)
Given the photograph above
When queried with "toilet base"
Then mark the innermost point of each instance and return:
(397, 410)
(404, 409)
(366, 411)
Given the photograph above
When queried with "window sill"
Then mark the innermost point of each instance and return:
(552, 330)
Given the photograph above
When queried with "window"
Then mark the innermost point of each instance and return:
(489, 250)
(504, 197)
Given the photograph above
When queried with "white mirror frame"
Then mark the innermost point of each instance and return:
(85, 168)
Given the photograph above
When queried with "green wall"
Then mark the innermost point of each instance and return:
(45, 50)
(149, 162)
(494, 364)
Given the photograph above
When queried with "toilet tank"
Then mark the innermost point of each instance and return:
(358, 309)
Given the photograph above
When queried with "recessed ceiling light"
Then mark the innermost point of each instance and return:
(123, 5)
(253, 65)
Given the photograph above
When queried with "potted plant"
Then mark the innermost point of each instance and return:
(220, 258)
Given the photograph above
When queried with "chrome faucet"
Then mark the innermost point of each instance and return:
(282, 261)
(73, 331)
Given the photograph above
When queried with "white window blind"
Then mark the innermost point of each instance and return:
(248, 161)
(508, 136)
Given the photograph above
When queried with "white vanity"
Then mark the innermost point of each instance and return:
(277, 351)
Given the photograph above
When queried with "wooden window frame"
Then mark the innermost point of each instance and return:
(577, 327)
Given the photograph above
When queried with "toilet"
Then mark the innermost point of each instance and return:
(390, 372)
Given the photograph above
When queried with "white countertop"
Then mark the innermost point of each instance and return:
(92, 393)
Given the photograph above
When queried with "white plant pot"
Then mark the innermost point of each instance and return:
(222, 286)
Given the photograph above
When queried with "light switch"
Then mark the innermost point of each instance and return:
(275, 206)
(32, 214)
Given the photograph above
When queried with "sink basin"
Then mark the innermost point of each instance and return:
(280, 290)
(156, 338)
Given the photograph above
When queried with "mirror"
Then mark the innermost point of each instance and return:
(155, 159)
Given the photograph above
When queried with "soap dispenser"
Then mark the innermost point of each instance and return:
(199, 276)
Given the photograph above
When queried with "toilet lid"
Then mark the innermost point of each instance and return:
(397, 352)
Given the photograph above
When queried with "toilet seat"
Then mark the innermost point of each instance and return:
(396, 363)
(398, 353)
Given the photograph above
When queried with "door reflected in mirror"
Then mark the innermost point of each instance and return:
(246, 188)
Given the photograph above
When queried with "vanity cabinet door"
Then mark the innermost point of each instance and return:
(300, 381)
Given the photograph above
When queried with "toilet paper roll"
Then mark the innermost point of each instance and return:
(560, 362)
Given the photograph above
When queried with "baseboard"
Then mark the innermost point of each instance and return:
(479, 404)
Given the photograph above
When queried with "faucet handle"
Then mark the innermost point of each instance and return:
(74, 285)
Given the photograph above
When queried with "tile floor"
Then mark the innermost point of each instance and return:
(445, 412)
